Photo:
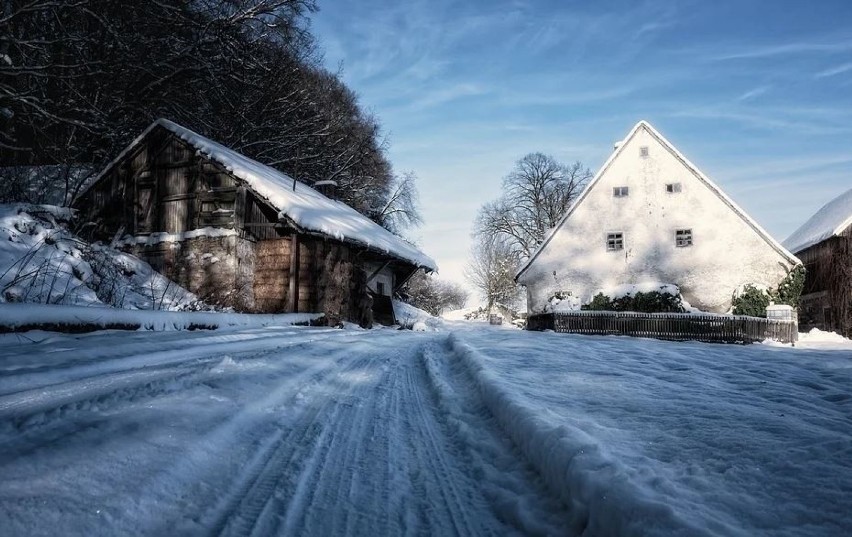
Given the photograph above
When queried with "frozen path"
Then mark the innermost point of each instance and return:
(291, 431)
(467, 431)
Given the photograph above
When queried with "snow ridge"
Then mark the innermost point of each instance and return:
(597, 490)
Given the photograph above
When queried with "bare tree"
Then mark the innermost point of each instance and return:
(536, 194)
(491, 270)
(79, 79)
(434, 295)
(399, 210)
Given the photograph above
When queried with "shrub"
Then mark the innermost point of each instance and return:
(791, 287)
(650, 302)
(751, 301)
(600, 302)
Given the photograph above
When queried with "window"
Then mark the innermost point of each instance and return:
(673, 188)
(683, 237)
(643, 151)
(615, 241)
(619, 192)
(380, 288)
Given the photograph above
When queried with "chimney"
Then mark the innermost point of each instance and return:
(327, 188)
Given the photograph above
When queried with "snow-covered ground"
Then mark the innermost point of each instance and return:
(42, 261)
(463, 429)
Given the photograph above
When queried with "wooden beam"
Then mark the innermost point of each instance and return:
(293, 295)
(405, 280)
(376, 272)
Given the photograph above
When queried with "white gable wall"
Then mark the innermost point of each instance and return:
(726, 252)
(383, 276)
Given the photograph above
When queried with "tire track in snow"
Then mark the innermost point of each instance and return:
(367, 456)
(515, 490)
(438, 479)
(266, 486)
(38, 407)
(48, 373)
(274, 482)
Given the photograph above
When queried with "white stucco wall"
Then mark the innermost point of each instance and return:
(726, 250)
(385, 276)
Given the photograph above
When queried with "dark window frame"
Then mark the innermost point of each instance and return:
(614, 241)
(683, 238)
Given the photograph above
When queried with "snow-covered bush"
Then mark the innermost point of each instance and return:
(750, 300)
(561, 302)
(790, 288)
(645, 298)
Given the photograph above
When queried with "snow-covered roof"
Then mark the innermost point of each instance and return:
(619, 148)
(832, 219)
(304, 206)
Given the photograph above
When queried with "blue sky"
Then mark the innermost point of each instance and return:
(757, 94)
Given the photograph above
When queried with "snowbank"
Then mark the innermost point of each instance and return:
(419, 320)
(819, 339)
(24, 317)
(576, 466)
(41, 261)
(645, 437)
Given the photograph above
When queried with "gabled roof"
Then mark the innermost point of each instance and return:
(832, 219)
(304, 206)
(689, 165)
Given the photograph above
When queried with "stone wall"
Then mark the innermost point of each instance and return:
(217, 269)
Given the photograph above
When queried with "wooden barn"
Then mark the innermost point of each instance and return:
(824, 244)
(239, 233)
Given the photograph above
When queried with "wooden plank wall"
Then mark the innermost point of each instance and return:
(272, 275)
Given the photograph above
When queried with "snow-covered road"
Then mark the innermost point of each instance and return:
(295, 431)
(463, 431)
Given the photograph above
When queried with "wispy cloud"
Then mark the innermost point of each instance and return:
(786, 49)
(448, 94)
(752, 93)
(836, 70)
(767, 119)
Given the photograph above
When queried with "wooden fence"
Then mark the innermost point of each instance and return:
(671, 326)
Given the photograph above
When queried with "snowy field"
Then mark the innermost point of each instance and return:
(462, 429)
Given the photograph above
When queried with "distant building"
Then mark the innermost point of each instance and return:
(240, 233)
(650, 215)
(824, 244)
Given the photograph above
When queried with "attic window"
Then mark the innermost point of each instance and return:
(673, 188)
(643, 151)
(619, 192)
(683, 238)
(614, 241)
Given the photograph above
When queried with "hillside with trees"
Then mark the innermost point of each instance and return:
(79, 80)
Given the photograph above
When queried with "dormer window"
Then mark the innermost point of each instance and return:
(619, 192)
(643, 151)
(673, 188)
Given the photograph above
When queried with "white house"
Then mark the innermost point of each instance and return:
(650, 215)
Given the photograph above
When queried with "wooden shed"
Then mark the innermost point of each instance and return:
(824, 244)
(242, 234)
